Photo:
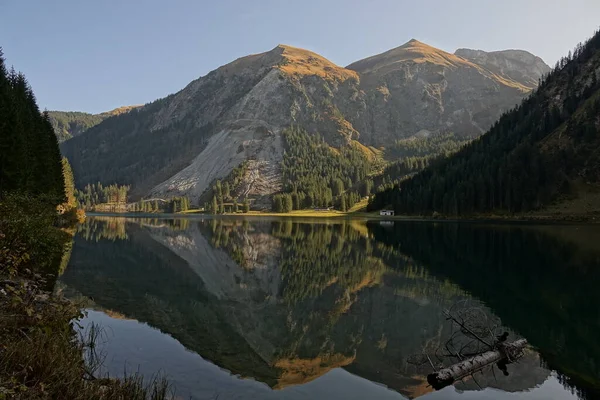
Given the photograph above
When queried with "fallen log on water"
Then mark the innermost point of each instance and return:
(503, 351)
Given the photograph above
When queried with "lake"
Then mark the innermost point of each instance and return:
(267, 308)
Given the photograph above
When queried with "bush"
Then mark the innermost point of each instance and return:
(28, 238)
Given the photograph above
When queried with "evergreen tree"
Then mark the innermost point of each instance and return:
(245, 205)
(214, 209)
(226, 193)
(69, 183)
(287, 203)
(221, 206)
(185, 204)
(235, 206)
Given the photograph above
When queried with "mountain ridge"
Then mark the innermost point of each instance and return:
(236, 114)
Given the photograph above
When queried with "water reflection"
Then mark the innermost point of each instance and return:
(294, 304)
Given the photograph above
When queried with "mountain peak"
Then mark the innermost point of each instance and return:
(411, 51)
(302, 62)
(414, 42)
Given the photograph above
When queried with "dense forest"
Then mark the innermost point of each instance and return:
(318, 175)
(30, 161)
(223, 196)
(174, 205)
(529, 157)
(96, 194)
(413, 155)
(432, 144)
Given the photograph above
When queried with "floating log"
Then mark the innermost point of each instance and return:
(502, 351)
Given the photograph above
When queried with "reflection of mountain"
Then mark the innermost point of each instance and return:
(536, 279)
(283, 302)
(151, 284)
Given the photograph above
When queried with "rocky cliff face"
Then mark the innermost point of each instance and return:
(181, 144)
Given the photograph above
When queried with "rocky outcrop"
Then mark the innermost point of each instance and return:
(181, 144)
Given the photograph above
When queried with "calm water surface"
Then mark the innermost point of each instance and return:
(293, 309)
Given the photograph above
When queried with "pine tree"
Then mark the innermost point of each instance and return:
(69, 183)
(214, 205)
(245, 205)
(185, 204)
(287, 203)
(235, 206)
(226, 193)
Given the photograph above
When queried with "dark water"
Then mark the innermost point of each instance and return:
(282, 309)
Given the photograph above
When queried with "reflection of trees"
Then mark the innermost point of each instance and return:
(97, 228)
(316, 256)
(226, 234)
(114, 228)
(543, 288)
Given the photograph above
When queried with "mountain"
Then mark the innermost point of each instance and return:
(418, 88)
(67, 124)
(541, 156)
(235, 116)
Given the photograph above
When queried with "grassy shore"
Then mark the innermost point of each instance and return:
(41, 355)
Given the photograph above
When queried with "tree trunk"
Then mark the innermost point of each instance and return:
(448, 376)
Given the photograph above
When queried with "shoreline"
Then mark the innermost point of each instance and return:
(338, 215)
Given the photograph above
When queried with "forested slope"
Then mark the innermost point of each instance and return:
(533, 155)
(68, 124)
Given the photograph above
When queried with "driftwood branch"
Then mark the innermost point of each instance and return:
(503, 351)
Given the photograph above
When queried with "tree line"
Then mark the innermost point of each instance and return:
(97, 193)
(318, 175)
(30, 161)
(174, 205)
(508, 168)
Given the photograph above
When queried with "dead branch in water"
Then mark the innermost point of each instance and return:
(476, 341)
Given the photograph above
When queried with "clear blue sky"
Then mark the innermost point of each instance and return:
(100, 54)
